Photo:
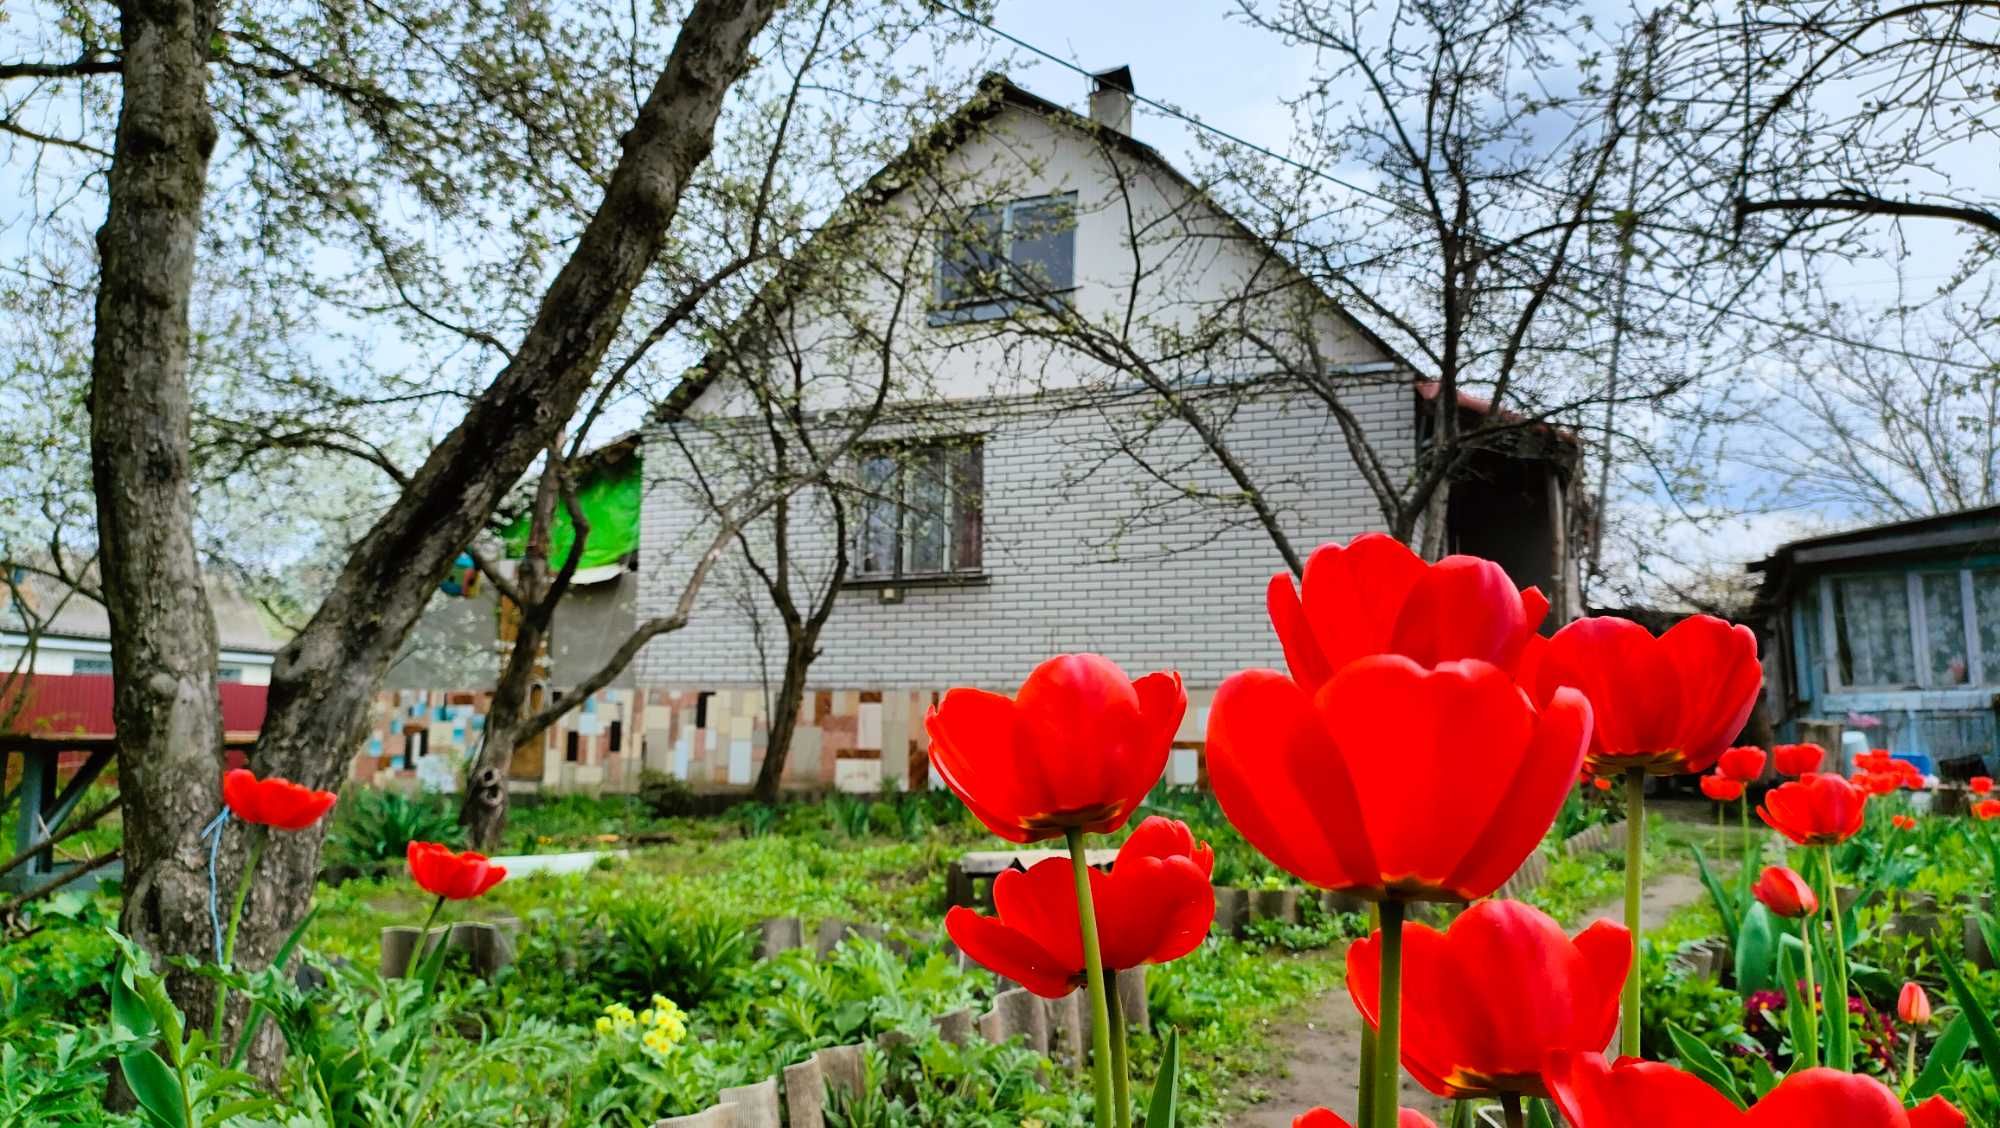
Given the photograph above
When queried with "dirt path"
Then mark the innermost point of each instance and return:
(1326, 1045)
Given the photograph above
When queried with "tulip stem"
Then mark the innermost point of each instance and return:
(1635, 860)
(1510, 1106)
(1121, 1068)
(257, 840)
(1389, 1027)
(1807, 930)
(1837, 1053)
(1093, 974)
(1364, 1101)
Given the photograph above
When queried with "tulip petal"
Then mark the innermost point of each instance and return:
(1828, 1096)
(973, 748)
(1632, 684)
(1716, 666)
(1435, 625)
(1040, 904)
(1634, 1094)
(1295, 635)
(1277, 776)
(1353, 594)
(1936, 1113)
(1004, 951)
(1532, 797)
(1456, 735)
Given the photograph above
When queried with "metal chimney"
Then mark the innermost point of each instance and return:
(1111, 99)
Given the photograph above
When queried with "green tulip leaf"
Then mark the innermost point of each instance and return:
(1756, 950)
(1165, 1107)
(157, 1088)
(1702, 1062)
(1725, 904)
(1944, 1057)
(1972, 1012)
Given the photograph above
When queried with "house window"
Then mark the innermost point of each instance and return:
(1003, 254)
(93, 666)
(572, 747)
(1986, 612)
(921, 510)
(616, 741)
(229, 673)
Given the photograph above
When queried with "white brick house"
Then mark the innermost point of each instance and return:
(1043, 539)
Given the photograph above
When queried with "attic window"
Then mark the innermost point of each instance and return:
(1003, 255)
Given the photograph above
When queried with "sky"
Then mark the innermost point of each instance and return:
(1200, 56)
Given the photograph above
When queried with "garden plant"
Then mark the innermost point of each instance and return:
(1424, 742)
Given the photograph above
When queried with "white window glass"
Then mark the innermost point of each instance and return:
(927, 515)
(1944, 629)
(1986, 609)
(1871, 619)
(879, 506)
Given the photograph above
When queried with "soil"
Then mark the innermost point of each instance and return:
(1325, 1059)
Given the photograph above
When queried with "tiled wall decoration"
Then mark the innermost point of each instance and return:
(850, 740)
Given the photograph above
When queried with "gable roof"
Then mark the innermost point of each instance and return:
(995, 94)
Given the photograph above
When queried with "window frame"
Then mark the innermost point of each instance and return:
(983, 307)
(1925, 678)
(954, 449)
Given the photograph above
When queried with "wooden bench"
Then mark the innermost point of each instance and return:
(962, 882)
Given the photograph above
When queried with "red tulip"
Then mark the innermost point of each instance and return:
(1936, 1113)
(1375, 596)
(1981, 785)
(1393, 781)
(1154, 906)
(1643, 1094)
(1913, 1006)
(456, 877)
(1987, 808)
(1785, 893)
(1721, 788)
(1324, 1118)
(1600, 783)
(1668, 704)
(1470, 1030)
(1815, 810)
(1903, 822)
(1077, 748)
(273, 802)
(1798, 759)
(1877, 784)
(1744, 763)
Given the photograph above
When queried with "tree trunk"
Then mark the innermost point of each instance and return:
(163, 635)
(483, 813)
(324, 680)
(801, 647)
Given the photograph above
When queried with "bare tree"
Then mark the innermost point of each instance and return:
(164, 645)
(1879, 436)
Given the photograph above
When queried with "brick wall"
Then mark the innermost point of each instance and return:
(1084, 550)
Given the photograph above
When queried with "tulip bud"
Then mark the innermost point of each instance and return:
(1721, 788)
(1913, 1006)
(1785, 893)
(1981, 785)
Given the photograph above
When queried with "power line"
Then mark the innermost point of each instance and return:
(1403, 206)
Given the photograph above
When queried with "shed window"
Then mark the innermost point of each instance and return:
(1944, 629)
(1933, 629)
(1986, 611)
(1871, 622)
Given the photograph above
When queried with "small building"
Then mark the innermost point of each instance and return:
(1891, 630)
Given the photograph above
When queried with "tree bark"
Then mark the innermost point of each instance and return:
(324, 680)
(163, 633)
(801, 648)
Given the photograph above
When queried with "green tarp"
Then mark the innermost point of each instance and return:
(609, 498)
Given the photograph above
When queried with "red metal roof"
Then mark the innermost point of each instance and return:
(80, 705)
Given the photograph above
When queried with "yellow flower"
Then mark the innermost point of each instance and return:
(603, 1025)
